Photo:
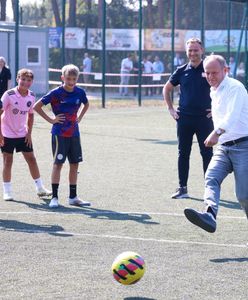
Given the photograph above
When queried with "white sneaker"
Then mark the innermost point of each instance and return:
(78, 202)
(54, 203)
(43, 192)
(7, 196)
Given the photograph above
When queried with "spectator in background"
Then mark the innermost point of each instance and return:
(126, 68)
(232, 66)
(148, 69)
(158, 68)
(240, 73)
(5, 76)
(87, 66)
(135, 71)
(178, 60)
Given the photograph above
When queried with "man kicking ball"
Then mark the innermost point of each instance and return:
(229, 112)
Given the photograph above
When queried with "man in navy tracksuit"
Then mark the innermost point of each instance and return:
(193, 114)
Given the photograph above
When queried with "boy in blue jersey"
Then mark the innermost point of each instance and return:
(69, 104)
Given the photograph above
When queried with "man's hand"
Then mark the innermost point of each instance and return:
(173, 113)
(209, 113)
(212, 139)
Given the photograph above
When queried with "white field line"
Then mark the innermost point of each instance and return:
(156, 240)
(89, 212)
(107, 236)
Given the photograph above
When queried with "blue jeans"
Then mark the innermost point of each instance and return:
(227, 159)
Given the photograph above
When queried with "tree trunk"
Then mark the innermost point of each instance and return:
(88, 4)
(3, 10)
(149, 14)
(55, 8)
(100, 9)
(71, 23)
(162, 14)
(72, 13)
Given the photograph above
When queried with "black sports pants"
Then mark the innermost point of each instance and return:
(187, 126)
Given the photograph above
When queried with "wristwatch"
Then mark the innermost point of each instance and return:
(218, 131)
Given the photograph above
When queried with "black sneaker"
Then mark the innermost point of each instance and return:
(205, 220)
(181, 192)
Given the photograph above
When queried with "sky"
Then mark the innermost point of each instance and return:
(21, 2)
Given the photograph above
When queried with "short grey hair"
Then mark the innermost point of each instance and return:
(216, 57)
(3, 60)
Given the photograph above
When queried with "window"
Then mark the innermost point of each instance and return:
(33, 55)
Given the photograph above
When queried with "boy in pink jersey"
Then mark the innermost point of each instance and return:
(16, 123)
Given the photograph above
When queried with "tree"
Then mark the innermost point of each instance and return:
(3, 10)
(161, 11)
(55, 8)
(150, 13)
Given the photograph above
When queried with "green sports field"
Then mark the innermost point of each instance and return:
(129, 173)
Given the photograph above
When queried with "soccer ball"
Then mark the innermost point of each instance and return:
(128, 268)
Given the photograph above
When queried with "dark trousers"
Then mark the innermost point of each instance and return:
(187, 126)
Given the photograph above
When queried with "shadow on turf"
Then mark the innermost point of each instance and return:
(224, 203)
(13, 225)
(93, 213)
(227, 259)
(161, 142)
(138, 298)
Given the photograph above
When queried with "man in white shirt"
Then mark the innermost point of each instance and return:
(147, 77)
(126, 68)
(229, 112)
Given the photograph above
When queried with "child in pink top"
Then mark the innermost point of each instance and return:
(16, 123)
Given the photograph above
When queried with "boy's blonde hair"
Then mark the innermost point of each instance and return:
(25, 72)
(70, 70)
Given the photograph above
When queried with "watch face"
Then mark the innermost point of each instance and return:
(218, 131)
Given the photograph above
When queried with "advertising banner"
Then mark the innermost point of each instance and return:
(152, 39)
(216, 40)
(116, 39)
(160, 39)
(74, 38)
(54, 37)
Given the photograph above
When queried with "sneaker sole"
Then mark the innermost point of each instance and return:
(184, 196)
(8, 199)
(194, 218)
(80, 205)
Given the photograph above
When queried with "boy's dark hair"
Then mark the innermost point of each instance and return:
(25, 72)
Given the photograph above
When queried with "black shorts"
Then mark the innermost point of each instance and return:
(18, 144)
(66, 147)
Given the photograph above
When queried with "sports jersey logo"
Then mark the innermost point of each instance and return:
(29, 103)
(60, 156)
(15, 111)
(77, 101)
